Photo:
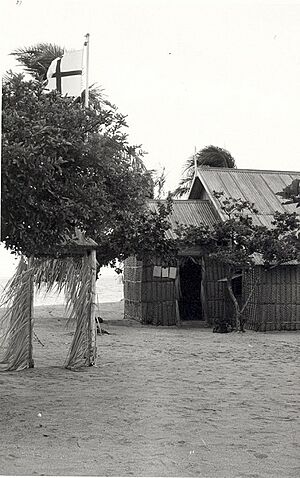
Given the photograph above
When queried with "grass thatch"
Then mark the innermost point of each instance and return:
(15, 342)
(71, 275)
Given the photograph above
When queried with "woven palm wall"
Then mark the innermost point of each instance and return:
(132, 288)
(153, 300)
(217, 302)
(148, 299)
(275, 304)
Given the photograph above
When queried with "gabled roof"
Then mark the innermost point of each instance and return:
(188, 212)
(257, 186)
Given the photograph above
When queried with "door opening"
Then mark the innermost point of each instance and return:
(190, 307)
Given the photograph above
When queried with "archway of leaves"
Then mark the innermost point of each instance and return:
(76, 276)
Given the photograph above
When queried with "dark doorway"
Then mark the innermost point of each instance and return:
(190, 286)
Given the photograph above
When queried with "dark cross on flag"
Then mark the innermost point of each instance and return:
(60, 74)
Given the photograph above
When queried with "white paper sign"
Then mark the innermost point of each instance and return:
(157, 271)
(165, 272)
(172, 273)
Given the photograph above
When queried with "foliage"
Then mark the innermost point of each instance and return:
(159, 182)
(66, 168)
(37, 58)
(56, 177)
(236, 241)
(144, 235)
(212, 156)
(291, 193)
(279, 244)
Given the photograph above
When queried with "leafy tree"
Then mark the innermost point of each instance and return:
(209, 156)
(144, 235)
(63, 167)
(235, 241)
(67, 168)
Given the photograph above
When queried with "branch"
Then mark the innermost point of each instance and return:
(250, 295)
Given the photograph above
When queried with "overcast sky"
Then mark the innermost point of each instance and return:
(187, 73)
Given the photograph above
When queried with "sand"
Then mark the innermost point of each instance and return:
(161, 402)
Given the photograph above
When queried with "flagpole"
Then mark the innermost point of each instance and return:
(92, 352)
(87, 45)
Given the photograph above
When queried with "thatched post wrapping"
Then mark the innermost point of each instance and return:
(16, 323)
(92, 325)
(31, 312)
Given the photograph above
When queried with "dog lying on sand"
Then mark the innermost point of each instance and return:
(100, 330)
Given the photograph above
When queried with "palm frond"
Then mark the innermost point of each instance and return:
(14, 324)
(211, 156)
(37, 58)
(72, 275)
(80, 302)
(183, 187)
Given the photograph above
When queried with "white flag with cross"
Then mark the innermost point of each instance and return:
(66, 74)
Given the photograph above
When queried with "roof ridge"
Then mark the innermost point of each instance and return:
(271, 171)
(180, 200)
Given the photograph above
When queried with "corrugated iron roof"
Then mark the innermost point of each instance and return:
(257, 186)
(188, 212)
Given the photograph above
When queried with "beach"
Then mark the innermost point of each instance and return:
(109, 288)
(162, 401)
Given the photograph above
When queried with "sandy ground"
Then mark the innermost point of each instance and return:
(161, 402)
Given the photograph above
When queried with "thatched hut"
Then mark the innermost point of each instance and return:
(158, 295)
(192, 289)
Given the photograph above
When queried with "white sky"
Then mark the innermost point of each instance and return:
(188, 73)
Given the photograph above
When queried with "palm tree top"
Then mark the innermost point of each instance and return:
(37, 58)
(212, 156)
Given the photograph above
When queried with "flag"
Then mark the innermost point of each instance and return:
(65, 74)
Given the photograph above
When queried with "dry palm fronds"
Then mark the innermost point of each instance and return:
(72, 275)
(80, 298)
(15, 325)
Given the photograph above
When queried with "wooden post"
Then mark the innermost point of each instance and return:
(92, 325)
(177, 295)
(30, 315)
(203, 290)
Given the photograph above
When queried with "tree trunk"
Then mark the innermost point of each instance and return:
(238, 314)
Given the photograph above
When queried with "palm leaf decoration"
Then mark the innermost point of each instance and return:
(73, 275)
(14, 324)
(212, 156)
(83, 348)
(37, 58)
